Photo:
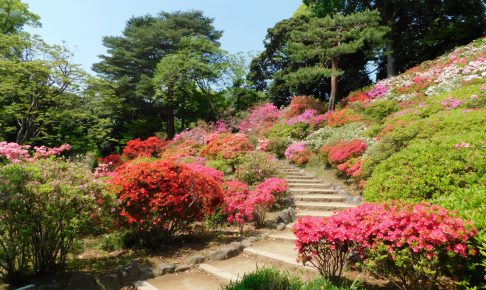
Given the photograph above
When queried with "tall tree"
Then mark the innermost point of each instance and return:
(269, 70)
(329, 38)
(14, 15)
(132, 59)
(420, 29)
(180, 75)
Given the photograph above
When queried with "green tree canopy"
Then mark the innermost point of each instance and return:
(131, 62)
(14, 15)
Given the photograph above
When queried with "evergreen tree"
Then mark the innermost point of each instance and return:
(330, 38)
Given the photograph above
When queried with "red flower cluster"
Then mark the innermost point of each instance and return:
(147, 148)
(113, 161)
(273, 186)
(421, 231)
(341, 118)
(351, 168)
(342, 151)
(163, 196)
(227, 146)
(356, 97)
(180, 149)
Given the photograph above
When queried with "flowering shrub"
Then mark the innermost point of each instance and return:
(17, 153)
(298, 153)
(408, 244)
(227, 146)
(379, 90)
(341, 117)
(260, 119)
(299, 104)
(180, 149)
(146, 148)
(14, 152)
(351, 168)
(200, 132)
(256, 167)
(236, 203)
(451, 103)
(161, 199)
(358, 97)
(44, 205)
(309, 117)
(277, 187)
(343, 151)
(328, 135)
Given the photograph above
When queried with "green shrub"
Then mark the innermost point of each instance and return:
(273, 279)
(43, 205)
(380, 109)
(328, 135)
(439, 125)
(112, 241)
(256, 167)
(220, 165)
(430, 168)
(278, 145)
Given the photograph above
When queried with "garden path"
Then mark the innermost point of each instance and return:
(311, 196)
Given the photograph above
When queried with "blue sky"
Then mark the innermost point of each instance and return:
(83, 23)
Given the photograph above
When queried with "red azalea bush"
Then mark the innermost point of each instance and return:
(161, 199)
(236, 195)
(406, 243)
(227, 146)
(342, 151)
(341, 117)
(112, 161)
(352, 168)
(146, 148)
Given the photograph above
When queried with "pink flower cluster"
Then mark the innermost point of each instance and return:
(451, 103)
(217, 175)
(309, 117)
(243, 204)
(462, 145)
(45, 152)
(298, 153)
(263, 144)
(378, 91)
(14, 152)
(17, 153)
(261, 117)
(426, 230)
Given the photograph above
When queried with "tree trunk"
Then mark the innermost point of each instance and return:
(332, 97)
(170, 123)
(391, 68)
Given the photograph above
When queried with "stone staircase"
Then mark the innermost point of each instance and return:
(310, 197)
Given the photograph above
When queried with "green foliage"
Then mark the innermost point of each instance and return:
(328, 135)
(273, 279)
(281, 136)
(44, 205)
(220, 165)
(438, 125)
(430, 168)
(256, 167)
(378, 110)
(14, 15)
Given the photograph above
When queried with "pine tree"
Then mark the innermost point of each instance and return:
(327, 39)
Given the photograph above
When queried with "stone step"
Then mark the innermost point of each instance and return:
(318, 198)
(193, 279)
(300, 178)
(308, 185)
(323, 206)
(299, 190)
(304, 181)
(285, 235)
(313, 213)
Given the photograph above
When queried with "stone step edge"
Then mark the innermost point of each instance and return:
(218, 272)
(144, 285)
(276, 257)
(283, 237)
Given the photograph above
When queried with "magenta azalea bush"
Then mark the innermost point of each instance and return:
(260, 118)
(298, 153)
(410, 244)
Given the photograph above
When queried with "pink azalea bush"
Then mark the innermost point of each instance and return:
(17, 153)
(308, 117)
(239, 211)
(274, 186)
(260, 118)
(406, 243)
(298, 153)
(342, 151)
